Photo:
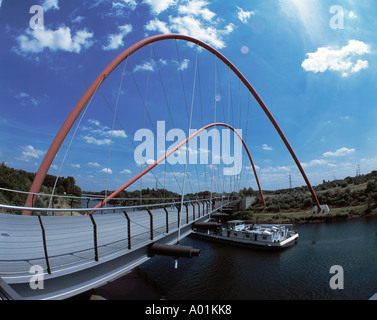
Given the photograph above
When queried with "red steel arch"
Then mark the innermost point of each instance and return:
(61, 135)
(149, 168)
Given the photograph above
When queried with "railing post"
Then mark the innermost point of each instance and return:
(187, 218)
(198, 209)
(94, 237)
(128, 228)
(167, 219)
(193, 211)
(151, 222)
(178, 206)
(44, 244)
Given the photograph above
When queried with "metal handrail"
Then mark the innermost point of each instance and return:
(22, 208)
(83, 196)
(148, 208)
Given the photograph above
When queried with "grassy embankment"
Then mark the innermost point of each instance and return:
(346, 201)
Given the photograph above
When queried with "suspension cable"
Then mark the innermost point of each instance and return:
(187, 149)
(70, 143)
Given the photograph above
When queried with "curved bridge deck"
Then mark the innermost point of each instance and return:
(76, 253)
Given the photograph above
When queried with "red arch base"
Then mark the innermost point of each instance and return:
(61, 135)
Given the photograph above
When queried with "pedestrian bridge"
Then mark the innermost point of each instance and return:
(73, 254)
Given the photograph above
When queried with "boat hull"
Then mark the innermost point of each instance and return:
(262, 245)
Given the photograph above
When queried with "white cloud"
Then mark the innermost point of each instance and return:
(183, 65)
(50, 4)
(93, 121)
(149, 65)
(158, 6)
(360, 65)
(339, 153)
(195, 20)
(126, 171)
(116, 40)
(352, 15)
(131, 4)
(78, 19)
(146, 66)
(320, 162)
(266, 147)
(107, 170)
(368, 164)
(190, 26)
(26, 99)
(244, 16)
(98, 142)
(75, 165)
(314, 163)
(29, 152)
(117, 133)
(157, 25)
(93, 164)
(100, 134)
(195, 7)
(61, 39)
(276, 169)
(341, 59)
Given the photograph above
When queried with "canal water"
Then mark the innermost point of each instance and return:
(299, 272)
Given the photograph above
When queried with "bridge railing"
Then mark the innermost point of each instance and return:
(48, 200)
(57, 242)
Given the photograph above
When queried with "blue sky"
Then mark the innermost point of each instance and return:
(312, 62)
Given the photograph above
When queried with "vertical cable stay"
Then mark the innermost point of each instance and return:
(182, 82)
(184, 94)
(151, 122)
(187, 149)
(214, 138)
(69, 145)
(169, 105)
(246, 175)
(202, 121)
(145, 110)
(221, 94)
(122, 127)
(239, 127)
(112, 127)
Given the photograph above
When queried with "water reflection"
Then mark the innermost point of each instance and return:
(300, 272)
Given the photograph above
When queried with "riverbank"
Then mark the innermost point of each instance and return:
(305, 216)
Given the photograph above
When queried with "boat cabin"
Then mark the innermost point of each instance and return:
(256, 232)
